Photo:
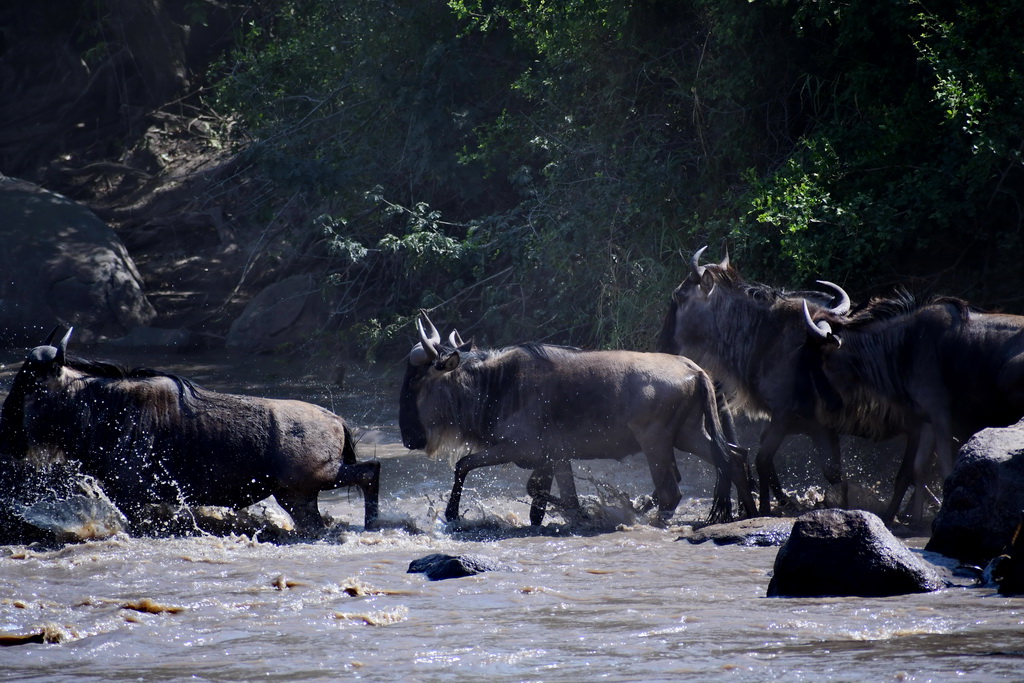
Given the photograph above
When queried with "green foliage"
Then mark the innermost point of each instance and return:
(575, 148)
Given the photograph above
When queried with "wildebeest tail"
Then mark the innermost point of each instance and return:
(732, 458)
(712, 422)
(348, 451)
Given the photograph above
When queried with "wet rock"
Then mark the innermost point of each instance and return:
(848, 553)
(982, 499)
(62, 264)
(285, 313)
(758, 531)
(265, 519)
(439, 566)
(77, 518)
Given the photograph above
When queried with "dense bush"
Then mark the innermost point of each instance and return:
(534, 169)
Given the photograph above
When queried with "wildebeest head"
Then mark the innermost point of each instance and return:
(41, 367)
(702, 301)
(689, 316)
(429, 357)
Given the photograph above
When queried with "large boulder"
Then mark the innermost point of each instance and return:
(285, 314)
(848, 552)
(982, 499)
(63, 265)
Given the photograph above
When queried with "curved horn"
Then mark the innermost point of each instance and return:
(63, 347)
(843, 307)
(455, 339)
(433, 335)
(821, 329)
(695, 266)
(426, 351)
(52, 336)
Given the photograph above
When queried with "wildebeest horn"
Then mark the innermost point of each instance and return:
(455, 339)
(434, 336)
(52, 336)
(63, 347)
(821, 329)
(695, 266)
(843, 307)
(426, 351)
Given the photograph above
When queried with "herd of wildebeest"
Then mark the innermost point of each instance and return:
(933, 371)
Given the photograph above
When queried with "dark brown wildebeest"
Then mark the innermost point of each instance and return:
(539, 406)
(150, 436)
(937, 366)
(751, 339)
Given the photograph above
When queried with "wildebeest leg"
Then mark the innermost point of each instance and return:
(492, 456)
(737, 463)
(929, 446)
(303, 508)
(538, 487)
(904, 476)
(365, 475)
(826, 442)
(725, 416)
(566, 485)
(657, 446)
(729, 469)
(768, 477)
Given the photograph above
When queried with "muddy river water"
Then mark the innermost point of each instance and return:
(613, 598)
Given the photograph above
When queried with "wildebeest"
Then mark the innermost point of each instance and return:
(539, 406)
(937, 365)
(151, 436)
(751, 339)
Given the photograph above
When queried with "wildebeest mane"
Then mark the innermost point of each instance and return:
(762, 293)
(903, 302)
(109, 370)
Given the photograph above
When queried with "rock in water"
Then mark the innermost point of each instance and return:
(982, 499)
(848, 552)
(77, 518)
(758, 531)
(440, 566)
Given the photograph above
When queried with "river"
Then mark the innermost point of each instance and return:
(614, 598)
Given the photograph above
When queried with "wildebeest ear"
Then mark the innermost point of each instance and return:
(449, 362)
(707, 282)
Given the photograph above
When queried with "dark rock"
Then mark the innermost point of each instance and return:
(848, 552)
(62, 264)
(440, 566)
(759, 531)
(287, 313)
(983, 497)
